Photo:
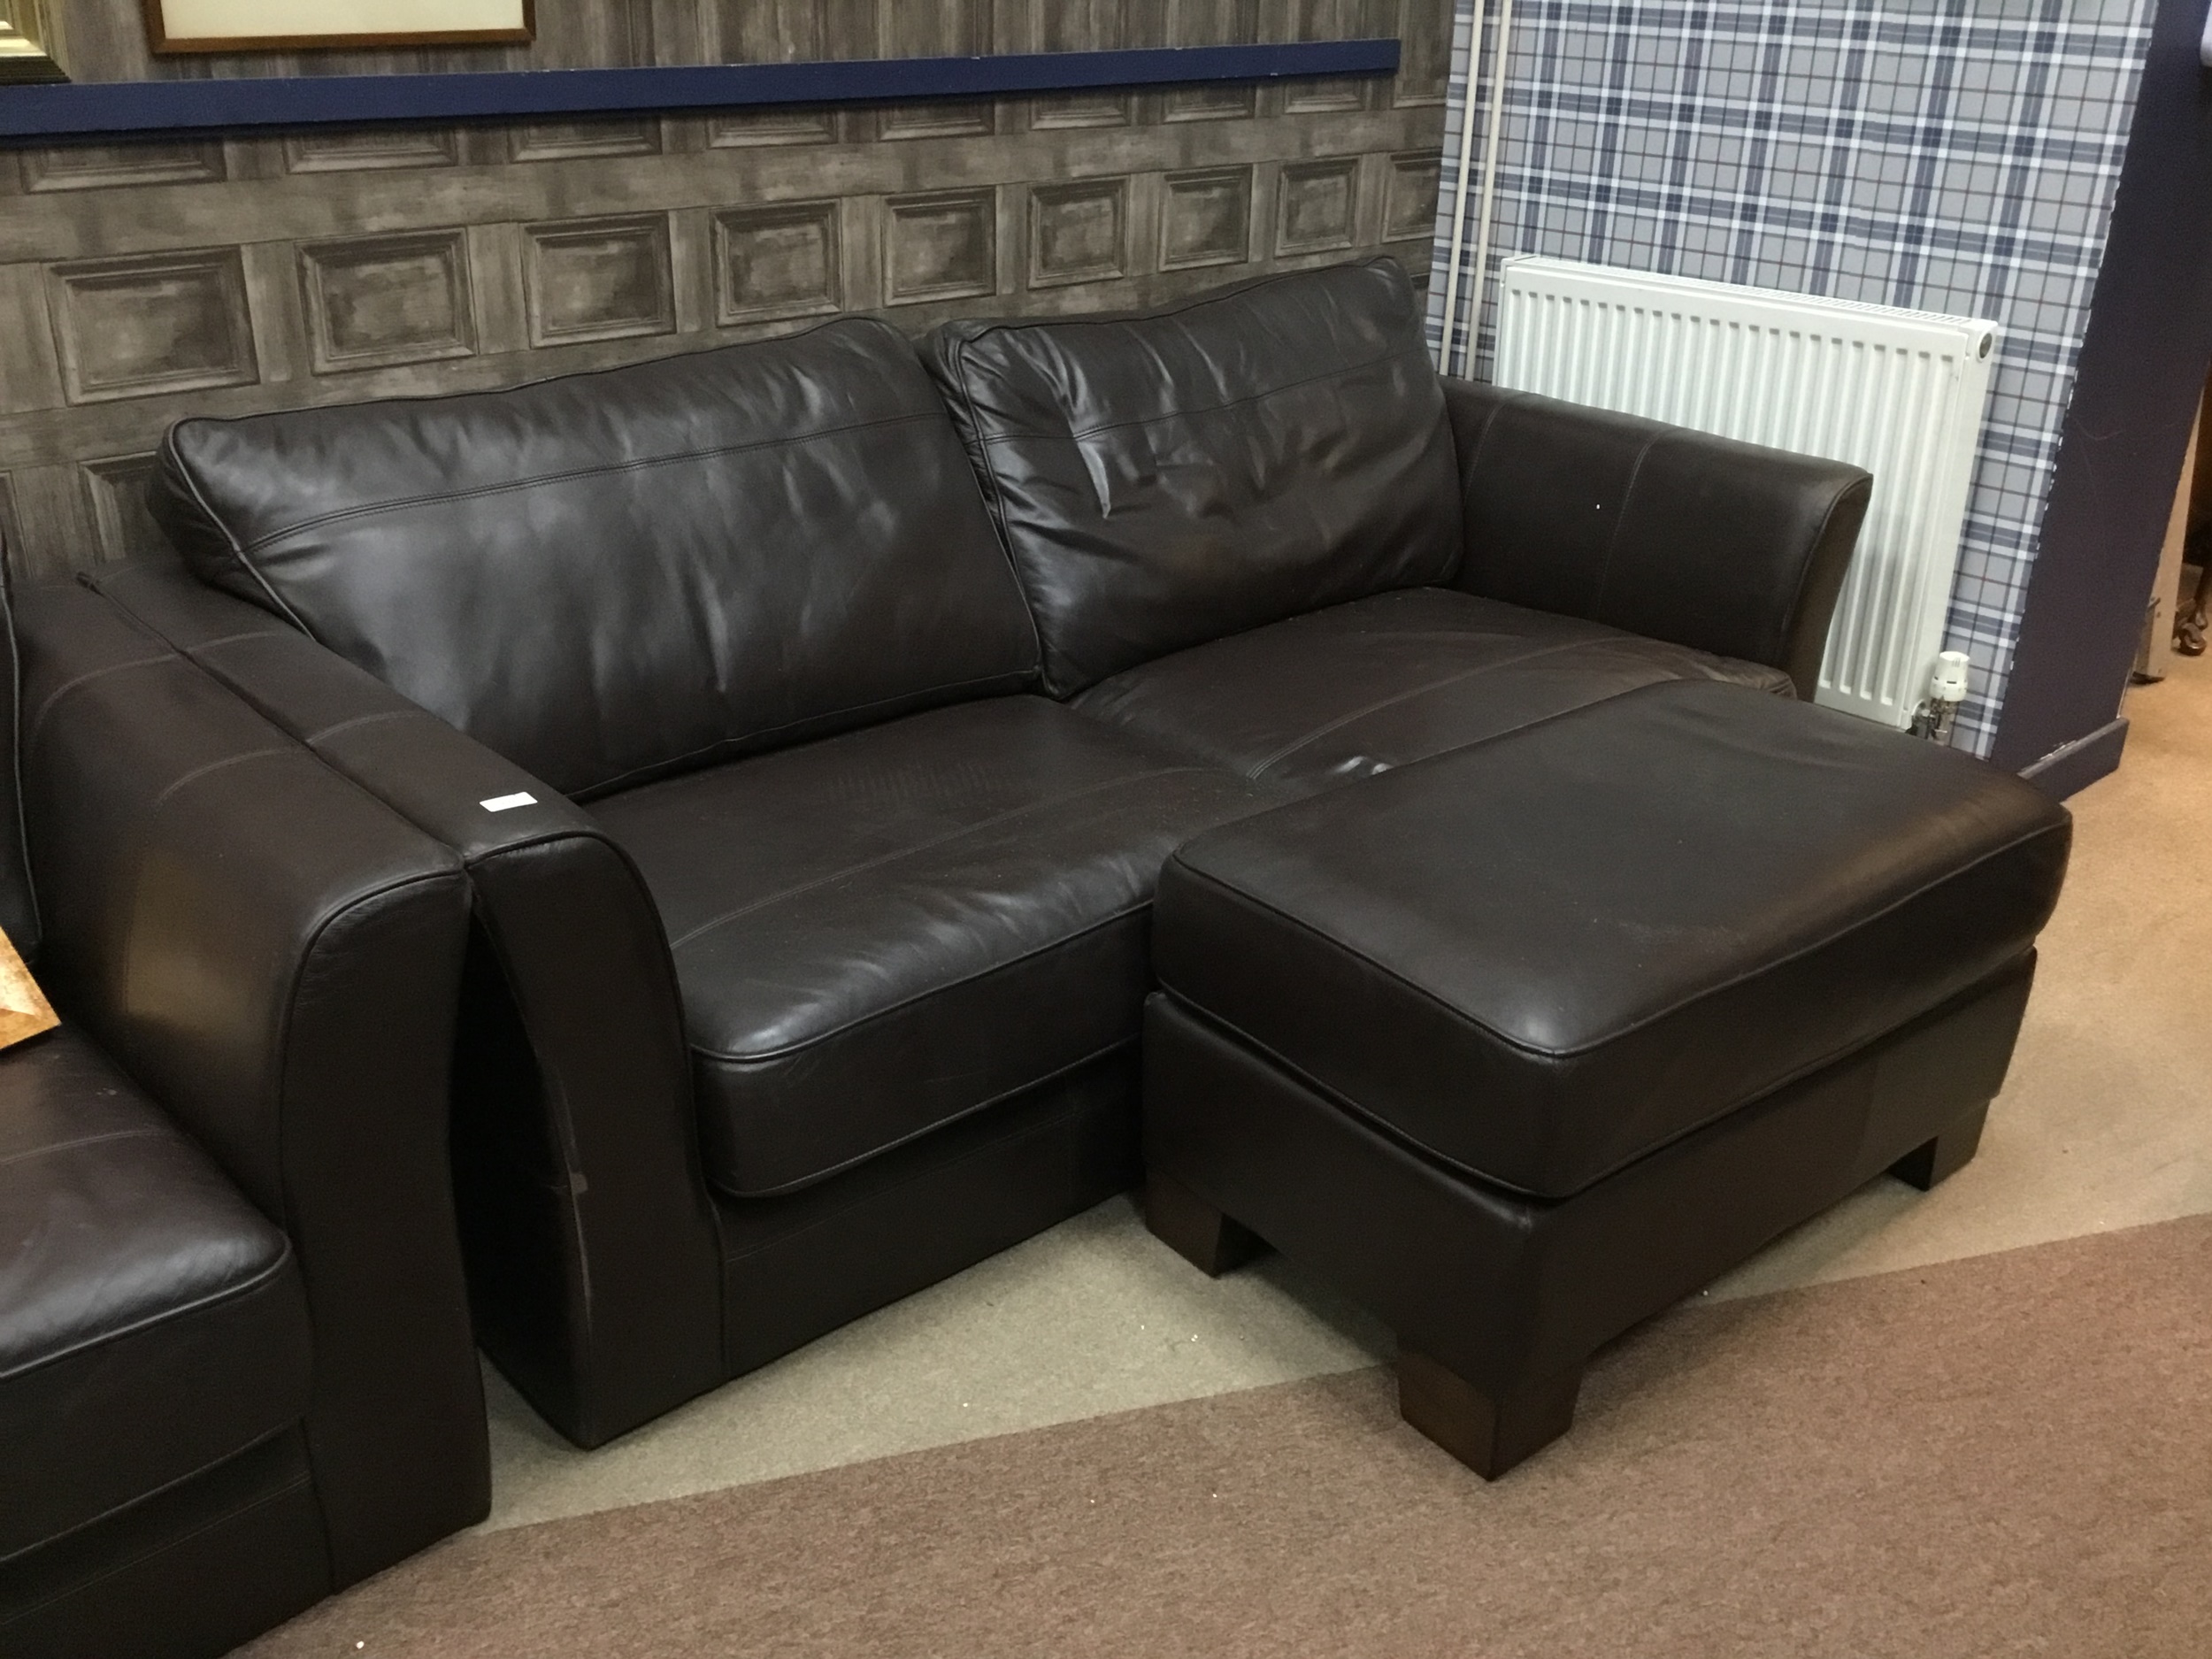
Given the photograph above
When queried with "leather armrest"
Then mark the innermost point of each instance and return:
(589, 1236)
(1675, 534)
(274, 957)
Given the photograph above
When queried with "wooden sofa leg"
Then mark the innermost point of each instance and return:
(1194, 1229)
(1489, 1433)
(1944, 1155)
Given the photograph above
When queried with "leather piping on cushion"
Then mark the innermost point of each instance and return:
(304, 1480)
(262, 1278)
(807, 1182)
(1407, 987)
(78, 1528)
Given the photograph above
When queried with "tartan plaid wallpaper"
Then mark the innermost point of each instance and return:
(1956, 155)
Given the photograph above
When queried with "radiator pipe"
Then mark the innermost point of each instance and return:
(1946, 689)
(1489, 177)
(1459, 192)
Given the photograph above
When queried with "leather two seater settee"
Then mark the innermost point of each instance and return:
(236, 1370)
(813, 718)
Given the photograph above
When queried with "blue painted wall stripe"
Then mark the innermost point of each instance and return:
(111, 109)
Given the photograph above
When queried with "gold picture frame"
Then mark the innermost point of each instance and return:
(27, 56)
(181, 27)
(24, 1009)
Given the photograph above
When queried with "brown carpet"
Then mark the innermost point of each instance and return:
(2007, 1455)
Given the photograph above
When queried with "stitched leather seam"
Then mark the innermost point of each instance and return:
(819, 1222)
(508, 486)
(1620, 521)
(585, 835)
(1337, 373)
(995, 504)
(574, 1242)
(1489, 424)
(84, 1140)
(1400, 1135)
(38, 720)
(309, 741)
(930, 845)
(147, 1322)
(237, 552)
(1215, 1025)
(1781, 647)
(209, 646)
(768, 1056)
(313, 943)
(1461, 1017)
(328, 732)
(166, 1544)
(1377, 707)
(1467, 473)
(227, 761)
(592, 791)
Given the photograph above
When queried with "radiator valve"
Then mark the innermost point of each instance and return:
(1946, 689)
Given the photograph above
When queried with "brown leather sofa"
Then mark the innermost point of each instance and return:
(811, 797)
(235, 1364)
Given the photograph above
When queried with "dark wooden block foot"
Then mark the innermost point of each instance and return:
(1198, 1233)
(1949, 1153)
(1489, 1433)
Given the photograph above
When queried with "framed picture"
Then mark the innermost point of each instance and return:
(292, 25)
(25, 53)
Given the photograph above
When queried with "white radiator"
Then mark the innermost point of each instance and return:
(1899, 393)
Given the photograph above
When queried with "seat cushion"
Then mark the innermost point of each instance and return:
(610, 576)
(1359, 688)
(152, 1323)
(878, 933)
(1541, 958)
(1166, 479)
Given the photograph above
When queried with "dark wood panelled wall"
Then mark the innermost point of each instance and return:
(140, 283)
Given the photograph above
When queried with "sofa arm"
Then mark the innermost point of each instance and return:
(274, 957)
(1727, 547)
(590, 1239)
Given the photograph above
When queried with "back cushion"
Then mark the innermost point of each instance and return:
(612, 576)
(1168, 478)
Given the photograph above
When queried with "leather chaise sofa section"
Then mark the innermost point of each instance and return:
(857, 716)
(236, 1370)
(1392, 565)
